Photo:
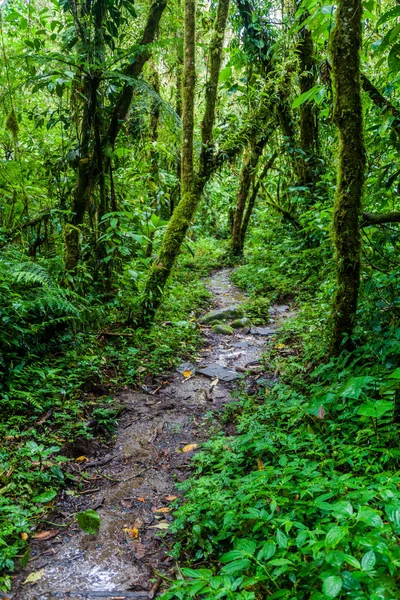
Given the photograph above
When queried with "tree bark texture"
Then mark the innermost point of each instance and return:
(192, 183)
(249, 166)
(93, 166)
(308, 117)
(345, 49)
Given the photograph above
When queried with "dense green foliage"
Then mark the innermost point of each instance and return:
(305, 498)
(306, 501)
(59, 372)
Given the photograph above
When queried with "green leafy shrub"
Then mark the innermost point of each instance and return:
(305, 500)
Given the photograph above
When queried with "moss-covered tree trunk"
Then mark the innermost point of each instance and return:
(346, 43)
(252, 199)
(192, 183)
(308, 116)
(94, 165)
(249, 165)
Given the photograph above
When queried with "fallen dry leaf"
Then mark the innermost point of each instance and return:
(162, 525)
(132, 532)
(45, 535)
(171, 498)
(214, 382)
(24, 536)
(82, 459)
(189, 448)
(187, 374)
(140, 499)
(34, 577)
(140, 550)
(164, 509)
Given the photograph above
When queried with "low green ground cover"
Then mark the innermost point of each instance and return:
(59, 368)
(304, 502)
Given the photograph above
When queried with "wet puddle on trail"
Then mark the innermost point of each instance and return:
(133, 485)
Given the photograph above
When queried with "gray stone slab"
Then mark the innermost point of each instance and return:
(215, 370)
(262, 331)
(283, 308)
(242, 344)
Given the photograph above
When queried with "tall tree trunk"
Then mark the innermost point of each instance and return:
(192, 183)
(90, 172)
(249, 166)
(176, 195)
(252, 199)
(346, 43)
(308, 117)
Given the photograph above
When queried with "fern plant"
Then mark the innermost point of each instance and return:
(32, 305)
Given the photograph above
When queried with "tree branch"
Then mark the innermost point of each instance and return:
(382, 102)
(368, 219)
(133, 70)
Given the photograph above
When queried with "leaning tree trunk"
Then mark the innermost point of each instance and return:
(90, 171)
(252, 200)
(192, 183)
(346, 43)
(180, 219)
(249, 166)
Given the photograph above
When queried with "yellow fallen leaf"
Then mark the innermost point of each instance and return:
(82, 459)
(171, 498)
(280, 346)
(24, 536)
(187, 374)
(34, 577)
(132, 532)
(189, 448)
(164, 509)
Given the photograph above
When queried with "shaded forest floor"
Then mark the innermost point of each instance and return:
(132, 484)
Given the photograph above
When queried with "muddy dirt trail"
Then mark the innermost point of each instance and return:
(133, 484)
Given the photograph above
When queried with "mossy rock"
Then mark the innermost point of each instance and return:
(222, 328)
(223, 314)
(239, 323)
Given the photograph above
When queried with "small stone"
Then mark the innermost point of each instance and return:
(283, 308)
(262, 331)
(187, 366)
(222, 314)
(223, 329)
(239, 323)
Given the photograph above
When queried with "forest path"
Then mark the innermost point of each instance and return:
(132, 484)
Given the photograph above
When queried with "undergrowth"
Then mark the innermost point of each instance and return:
(61, 358)
(304, 502)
